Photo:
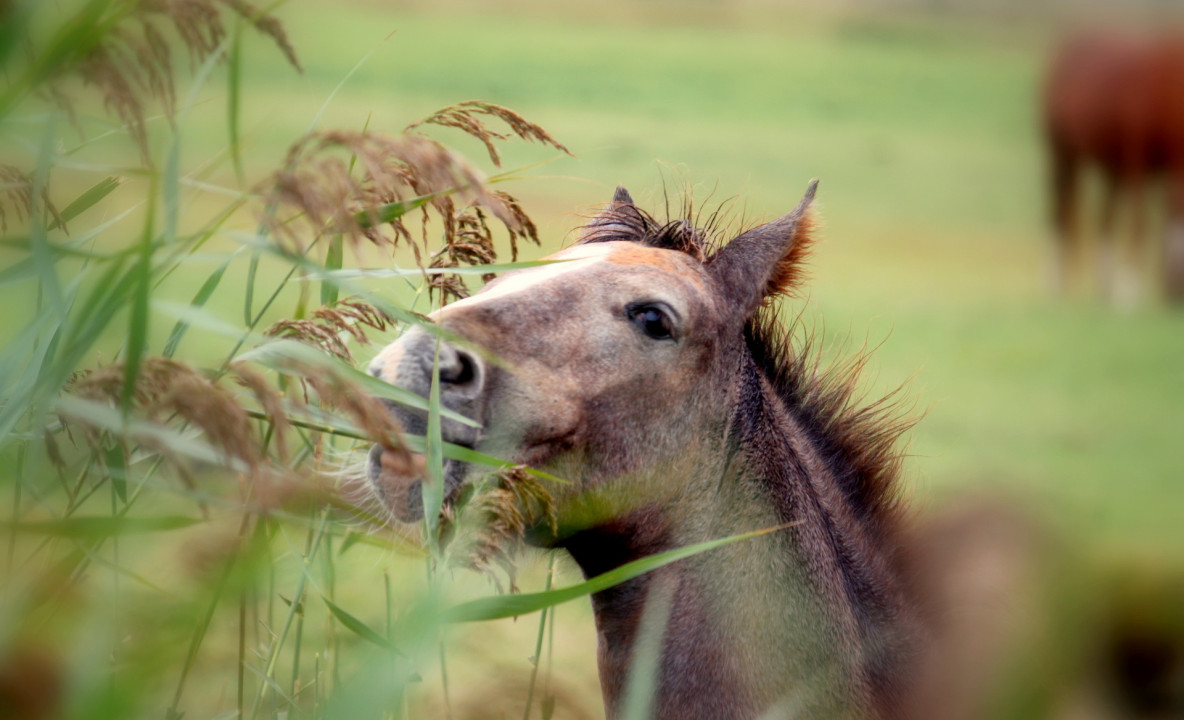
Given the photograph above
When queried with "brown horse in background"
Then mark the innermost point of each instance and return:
(1116, 101)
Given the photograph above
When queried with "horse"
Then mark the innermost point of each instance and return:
(646, 366)
(1116, 102)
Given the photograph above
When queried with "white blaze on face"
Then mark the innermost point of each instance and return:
(568, 261)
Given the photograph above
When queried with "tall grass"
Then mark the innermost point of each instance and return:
(173, 520)
(184, 531)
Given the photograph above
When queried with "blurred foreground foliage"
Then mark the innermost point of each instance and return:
(173, 527)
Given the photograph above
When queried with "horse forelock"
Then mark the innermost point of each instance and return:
(698, 233)
(625, 221)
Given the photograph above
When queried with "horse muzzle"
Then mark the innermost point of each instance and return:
(409, 363)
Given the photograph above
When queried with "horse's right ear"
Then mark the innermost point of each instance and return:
(764, 261)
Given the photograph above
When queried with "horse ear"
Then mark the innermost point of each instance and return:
(765, 261)
(621, 220)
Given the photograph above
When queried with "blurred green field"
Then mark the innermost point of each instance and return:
(922, 130)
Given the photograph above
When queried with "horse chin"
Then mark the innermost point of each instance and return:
(399, 484)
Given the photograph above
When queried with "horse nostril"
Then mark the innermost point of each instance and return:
(461, 371)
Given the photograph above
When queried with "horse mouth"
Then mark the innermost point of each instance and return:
(398, 478)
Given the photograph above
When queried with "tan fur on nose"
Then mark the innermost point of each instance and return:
(385, 365)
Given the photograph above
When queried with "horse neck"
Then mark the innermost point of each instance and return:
(804, 616)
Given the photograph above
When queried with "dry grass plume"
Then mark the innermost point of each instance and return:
(487, 525)
(466, 117)
(131, 63)
(328, 324)
(16, 192)
(170, 391)
(363, 185)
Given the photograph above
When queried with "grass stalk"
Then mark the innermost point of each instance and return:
(392, 657)
(234, 77)
(538, 643)
(15, 514)
(137, 337)
(253, 321)
(647, 652)
(444, 677)
(299, 640)
(334, 639)
(203, 625)
(240, 671)
(277, 643)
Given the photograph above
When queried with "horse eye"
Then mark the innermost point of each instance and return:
(652, 321)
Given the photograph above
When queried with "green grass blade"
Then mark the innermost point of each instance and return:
(290, 355)
(234, 75)
(41, 249)
(280, 638)
(137, 336)
(202, 628)
(359, 273)
(116, 470)
(188, 250)
(392, 211)
(503, 606)
(249, 298)
(464, 454)
(22, 368)
(359, 628)
(18, 271)
(337, 88)
(646, 655)
(536, 661)
(433, 487)
(171, 190)
(333, 259)
(95, 312)
(103, 526)
(13, 30)
(197, 317)
(261, 244)
(199, 300)
(73, 40)
(74, 247)
(88, 199)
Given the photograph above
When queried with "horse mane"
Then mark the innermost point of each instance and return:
(858, 439)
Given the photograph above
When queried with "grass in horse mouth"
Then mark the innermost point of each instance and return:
(485, 522)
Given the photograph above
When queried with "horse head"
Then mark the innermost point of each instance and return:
(608, 366)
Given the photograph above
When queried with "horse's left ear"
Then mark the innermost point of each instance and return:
(765, 261)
